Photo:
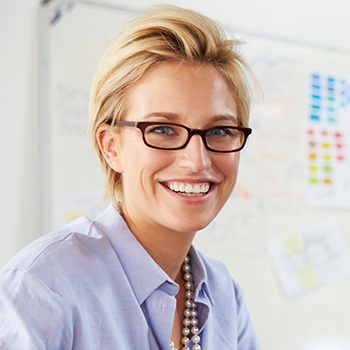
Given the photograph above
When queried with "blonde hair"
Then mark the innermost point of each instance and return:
(164, 33)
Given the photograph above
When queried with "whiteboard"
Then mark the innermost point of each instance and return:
(285, 232)
(76, 35)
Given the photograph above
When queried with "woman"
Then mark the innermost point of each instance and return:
(169, 115)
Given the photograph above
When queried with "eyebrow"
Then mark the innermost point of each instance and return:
(165, 115)
(225, 117)
(174, 117)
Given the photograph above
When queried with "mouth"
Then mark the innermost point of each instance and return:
(188, 189)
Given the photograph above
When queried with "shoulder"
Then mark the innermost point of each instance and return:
(59, 256)
(44, 247)
(34, 288)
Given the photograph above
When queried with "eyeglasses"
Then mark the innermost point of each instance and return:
(170, 136)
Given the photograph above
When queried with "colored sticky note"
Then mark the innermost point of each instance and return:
(308, 276)
(293, 244)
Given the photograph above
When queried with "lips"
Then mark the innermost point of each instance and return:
(189, 189)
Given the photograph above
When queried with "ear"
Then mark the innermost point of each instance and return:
(109, 144)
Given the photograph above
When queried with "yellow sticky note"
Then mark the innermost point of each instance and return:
(293, 244)
(308, 277)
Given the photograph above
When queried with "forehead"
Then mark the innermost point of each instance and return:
(183, 89)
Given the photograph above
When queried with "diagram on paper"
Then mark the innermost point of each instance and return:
(314, 257)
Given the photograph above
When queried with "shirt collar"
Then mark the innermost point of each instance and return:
(200, 277)
(144, 275)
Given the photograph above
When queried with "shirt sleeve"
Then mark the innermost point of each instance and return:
(32, 317)
(247, 339)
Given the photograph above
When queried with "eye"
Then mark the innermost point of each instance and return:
(162, 130)
(222, 131)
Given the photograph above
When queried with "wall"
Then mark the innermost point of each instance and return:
(20, 119)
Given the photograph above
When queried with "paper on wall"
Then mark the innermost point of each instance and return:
(314, 257)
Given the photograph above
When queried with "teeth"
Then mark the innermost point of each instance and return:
(188, 188)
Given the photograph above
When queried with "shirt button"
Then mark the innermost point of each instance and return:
(164, 305)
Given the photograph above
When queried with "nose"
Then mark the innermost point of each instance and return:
(195, 156)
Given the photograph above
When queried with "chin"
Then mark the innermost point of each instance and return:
(188, 220)
(193, 226)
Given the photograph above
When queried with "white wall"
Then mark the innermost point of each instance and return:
(20, 125)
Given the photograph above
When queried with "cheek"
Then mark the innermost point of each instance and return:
(131, 152)
(141, 163)
(230, 165)
(229, 168)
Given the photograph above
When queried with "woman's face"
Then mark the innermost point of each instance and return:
(178, 190)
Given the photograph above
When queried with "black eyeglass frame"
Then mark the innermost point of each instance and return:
(191, 132)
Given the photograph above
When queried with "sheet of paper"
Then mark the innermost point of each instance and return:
(314, 257)
(327, 146)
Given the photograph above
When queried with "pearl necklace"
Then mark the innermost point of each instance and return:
(190, 313)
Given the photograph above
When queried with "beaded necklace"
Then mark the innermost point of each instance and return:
(190, 322)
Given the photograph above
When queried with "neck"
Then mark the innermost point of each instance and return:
(166, 247)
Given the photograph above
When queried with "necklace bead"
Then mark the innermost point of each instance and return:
(190, 313)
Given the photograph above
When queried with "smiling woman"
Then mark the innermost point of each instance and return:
(169, 115)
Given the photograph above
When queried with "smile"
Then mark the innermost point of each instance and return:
(188, 189)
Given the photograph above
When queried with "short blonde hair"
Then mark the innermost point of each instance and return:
(164, 33)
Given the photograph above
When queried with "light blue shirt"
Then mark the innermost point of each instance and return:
(92, 286)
